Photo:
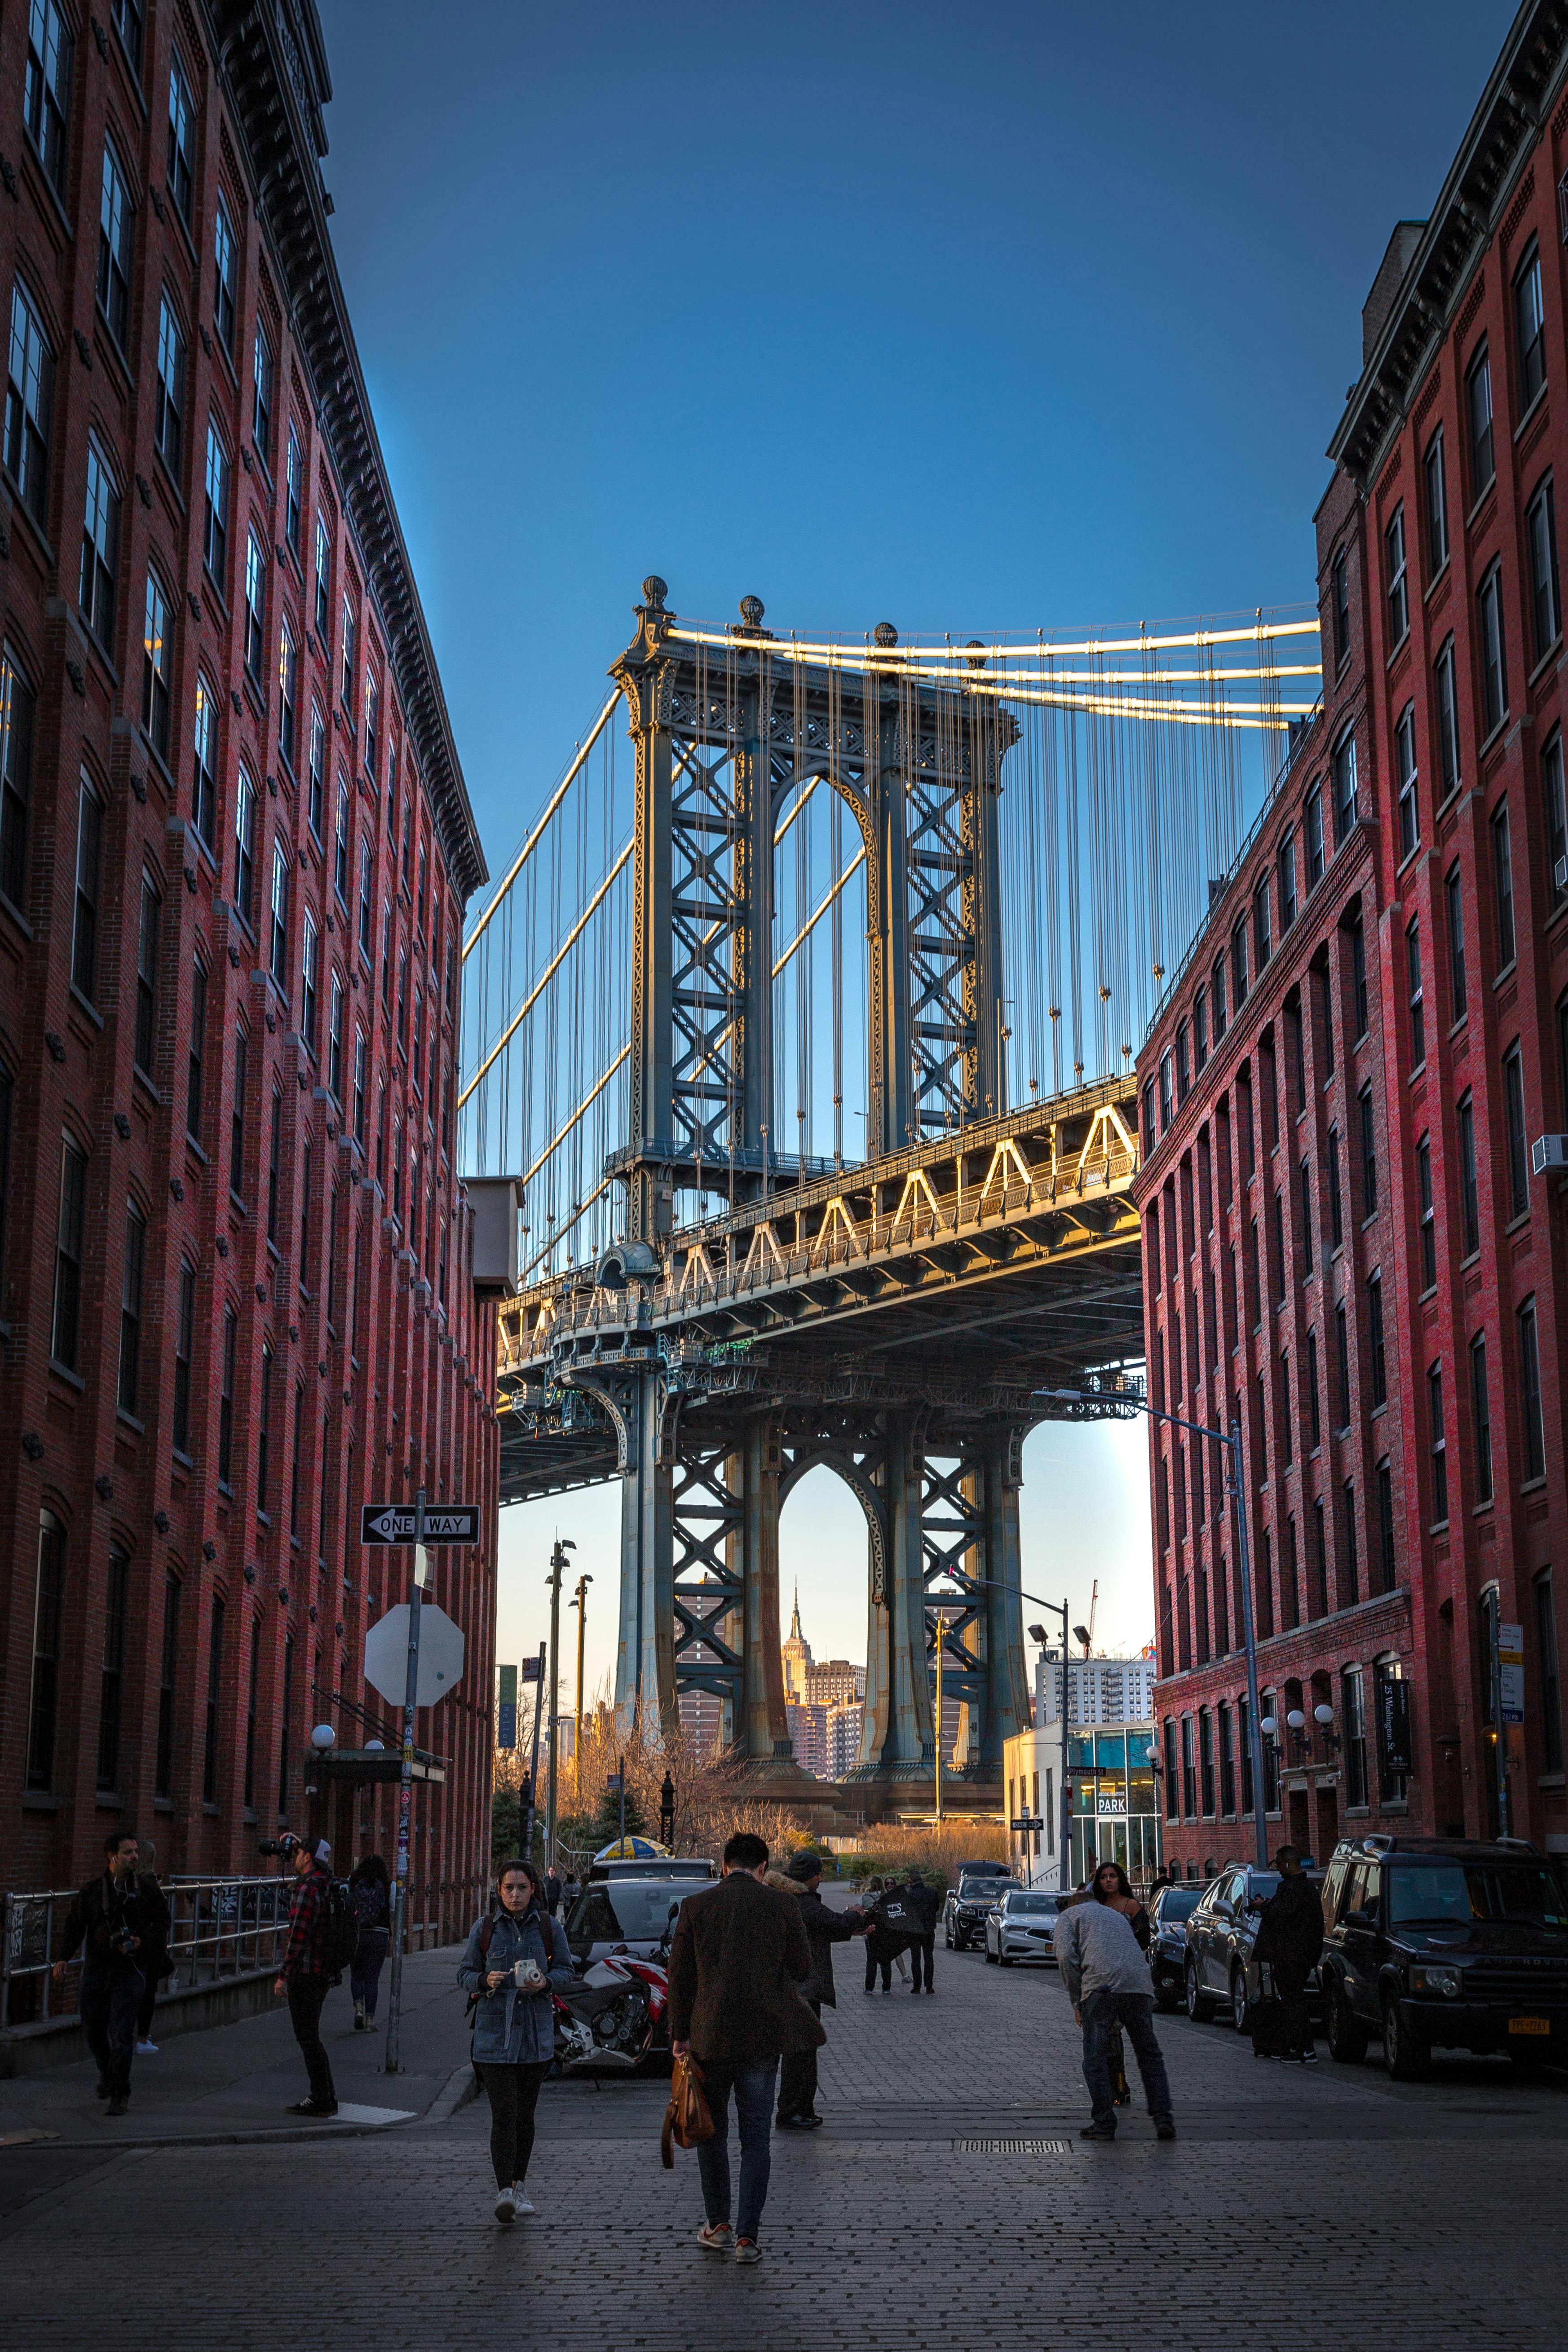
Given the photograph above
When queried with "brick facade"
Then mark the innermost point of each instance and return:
(236, 1257)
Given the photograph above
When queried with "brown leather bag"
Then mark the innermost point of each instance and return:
(687, 2121)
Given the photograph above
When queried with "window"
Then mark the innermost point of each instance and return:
(214, 536)
(261, 396)
(1529, 1393)
(1405, 760)
(1353, 1720)
(168, 1664)
(1315, 826)
(1238, 963)
(1189, 1770)
(294, 472)
(1482, 1417)
(1336, 1189)
(323, 581)
(16, 777)
(181, 139)
(1446, 705)
(361, 1061)
(100, 547)
(45, 97)
(1151, 1122)
(1530, 330)
(283, 1751)
(112, 1678)
(1342, 1363)
(366, 901)
(48, 1628)
(1546, 1668)
(225, 266)
(1415, 996)
(1368, 1126)
(147, 976)
(308, 985)
(263, 1428)
(1263, 945)
(350, 639)
(236, 1114)
(1339, 596)
(409, 800)
(372, 729)
(155, 669)
(66, 1332)
(1438, 1443)
(274, 1162)
(335, 1041)
(88, 864)
(126, 18)
(1386, 1561)
(1358, 979)
(1541, 543)
(304, 1212)
(418, 1042)
(1217, 994)
(1469, 1209)
(1436, 505)
(1494, 674)
(1503, 883)
(340, 843)
(297, 1465)
(278, 945)
(1305, 1176)
(1425, 1212)
(1396, 591)
(1513, 1124)
(225, 1398)
(255, 606)
(1286, 865)
(198, 1042)
(402, 1026)
(214, 1689)
(245, 846)
(30, 405)
(255, 1678)
(130, 1310)
(114, 217)
(1479, 410)
(184, 1341)
(1378, 1355)
(318, 770)
(1205, 1757)
(1350, 1582)
(1454, 905)
(1556, 821)
(1184, 1062)
(1345, 802)
(1167, 1099)
(333, 1262)
(1314, 1406)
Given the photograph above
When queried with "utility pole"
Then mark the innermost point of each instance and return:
(533, 1760)
(405, 1795)
(557, 1570)
(941, 1629)
(581, 1606)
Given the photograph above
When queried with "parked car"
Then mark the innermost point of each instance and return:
(667, 1866)
(1446, 1943)
(1222, 1928)
(1168, 1916)
(626, 1915)
(1019, 1927)
(969, 1905)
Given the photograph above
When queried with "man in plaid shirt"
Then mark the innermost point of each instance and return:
(304, 1977)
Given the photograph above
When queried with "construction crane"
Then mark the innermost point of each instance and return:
(1085, 1634)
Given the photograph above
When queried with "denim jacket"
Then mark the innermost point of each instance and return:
(513, 2028)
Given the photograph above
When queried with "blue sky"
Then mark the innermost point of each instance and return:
(1039, 316)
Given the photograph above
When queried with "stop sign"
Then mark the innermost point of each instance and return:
(440, 1654)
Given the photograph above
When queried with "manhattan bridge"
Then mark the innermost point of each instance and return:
(809, 1028)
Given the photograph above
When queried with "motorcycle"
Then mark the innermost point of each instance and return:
(613, 2016)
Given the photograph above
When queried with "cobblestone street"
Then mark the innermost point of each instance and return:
(1439, 2203)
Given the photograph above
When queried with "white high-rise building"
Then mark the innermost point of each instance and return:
(1100, 1690)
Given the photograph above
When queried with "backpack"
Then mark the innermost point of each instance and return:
(343, 1930)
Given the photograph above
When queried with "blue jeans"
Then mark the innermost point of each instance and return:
(1134, 2012)
(364, 1970)
(754, 2089)
(108, 2001)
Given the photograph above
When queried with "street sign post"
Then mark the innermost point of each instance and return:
(394, 1523)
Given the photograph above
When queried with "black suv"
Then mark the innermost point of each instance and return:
(981, 1887)
(1446, 1943)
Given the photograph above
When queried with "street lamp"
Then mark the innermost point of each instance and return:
(1036, 1633)
(1231, 1441)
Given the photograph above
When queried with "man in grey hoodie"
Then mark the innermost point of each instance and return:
(1108, 1984)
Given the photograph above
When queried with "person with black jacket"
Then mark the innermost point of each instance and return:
(1290, 1939)
(118, 1917)
(797, 2068)
(922, 1900)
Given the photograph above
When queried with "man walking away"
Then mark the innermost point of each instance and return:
(370, 1897)
(1290, 1939)
(118, 1917)
(551, 1891)
(824, 1928)
(922, 1900)
(306, 1973)
(739, 1954)
(1108, 1982)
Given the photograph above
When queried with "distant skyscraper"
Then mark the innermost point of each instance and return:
(702, 1716)
(1102, 1690)
(796, 1656)
(822, 1703)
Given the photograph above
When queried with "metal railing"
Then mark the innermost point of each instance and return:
(219, 1929)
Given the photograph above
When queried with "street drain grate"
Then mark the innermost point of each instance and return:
(1011, 2146)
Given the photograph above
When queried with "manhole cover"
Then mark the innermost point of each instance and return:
(1011, 2146)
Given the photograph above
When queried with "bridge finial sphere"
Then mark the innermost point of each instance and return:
(655, 590)
(751, 610)
(976, 661)
(885, 634)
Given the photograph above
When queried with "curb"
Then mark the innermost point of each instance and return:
(460, 2089)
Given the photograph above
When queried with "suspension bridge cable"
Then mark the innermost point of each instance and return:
(529, 846)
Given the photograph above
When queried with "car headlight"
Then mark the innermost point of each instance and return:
(1447, 1981)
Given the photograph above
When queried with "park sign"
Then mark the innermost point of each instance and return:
(394, 1523)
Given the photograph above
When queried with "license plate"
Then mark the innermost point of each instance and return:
(1529, 2025)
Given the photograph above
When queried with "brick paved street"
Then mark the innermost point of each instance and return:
(1321, 2204)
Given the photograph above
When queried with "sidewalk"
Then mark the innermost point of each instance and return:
(233, 2081)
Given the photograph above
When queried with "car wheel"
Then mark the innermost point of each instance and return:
(1238, 2000)
(1526, 2062)
(1002, 1961)
(1407, 2061)
(1200, 2008)
(1347, 2036)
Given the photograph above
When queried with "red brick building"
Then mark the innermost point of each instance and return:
(1397, 1364)
(234, 850)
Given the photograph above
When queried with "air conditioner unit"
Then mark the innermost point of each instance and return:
(1549, 1155)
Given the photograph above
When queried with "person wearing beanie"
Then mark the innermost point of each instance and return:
(801, 1877)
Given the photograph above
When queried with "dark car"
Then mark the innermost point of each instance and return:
(971, 1904)
(1446, 1943)
(631, 1915)
(1222, 1929)
(1168, 1916)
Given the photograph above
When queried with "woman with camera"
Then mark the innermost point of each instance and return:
(513, 1956)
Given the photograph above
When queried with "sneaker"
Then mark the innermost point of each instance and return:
(718, 2237)
(1166, 2129)
(809, 2123)
(506, 2204)
(1308, 2058)
(359, 2017)
(520, 2199)
(146, 2050)
(371, 2026)
(311, 2107)
(119, 2105)
(1098, 2131)
(748, 2251)
(101, 2089)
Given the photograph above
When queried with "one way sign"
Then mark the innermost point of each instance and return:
(393, 1523)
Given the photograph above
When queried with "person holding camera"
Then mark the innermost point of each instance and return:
(306, 1975)
(514, 1954)
(118, 1917)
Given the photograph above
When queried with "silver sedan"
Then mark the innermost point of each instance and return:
(1020, 1926)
